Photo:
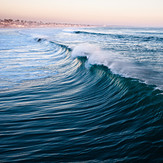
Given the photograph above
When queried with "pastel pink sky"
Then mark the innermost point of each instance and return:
(104, 12)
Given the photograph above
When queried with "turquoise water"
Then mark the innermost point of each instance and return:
(86, 94)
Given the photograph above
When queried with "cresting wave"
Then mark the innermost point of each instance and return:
(116, 63)
(113, 61)
(73, 103)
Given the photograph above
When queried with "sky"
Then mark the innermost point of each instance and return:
(98, 12)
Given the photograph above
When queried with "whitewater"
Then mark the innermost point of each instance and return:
(81, 94)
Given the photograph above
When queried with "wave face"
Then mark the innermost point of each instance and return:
(90, 95)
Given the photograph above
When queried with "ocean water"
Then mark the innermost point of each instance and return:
(81, 95)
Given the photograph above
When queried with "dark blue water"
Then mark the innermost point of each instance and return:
(87, 94)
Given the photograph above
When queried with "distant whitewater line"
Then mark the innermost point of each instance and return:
(124, 36)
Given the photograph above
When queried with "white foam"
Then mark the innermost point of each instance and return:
(114, 61)
(70, 30)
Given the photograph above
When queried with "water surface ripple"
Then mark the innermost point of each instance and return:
(57, 106)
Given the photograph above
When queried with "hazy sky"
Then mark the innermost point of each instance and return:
(110, 12)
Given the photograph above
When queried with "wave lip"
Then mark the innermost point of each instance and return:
(97, 56)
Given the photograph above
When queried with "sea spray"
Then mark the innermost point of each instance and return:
(116, 62)
(96, 56)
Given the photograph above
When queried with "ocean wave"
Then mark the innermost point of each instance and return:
(75, 110)
(117, 63)
(92, 33)
(52, 42)
(122, 36)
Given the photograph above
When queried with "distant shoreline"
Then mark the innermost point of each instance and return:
(10, 23)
